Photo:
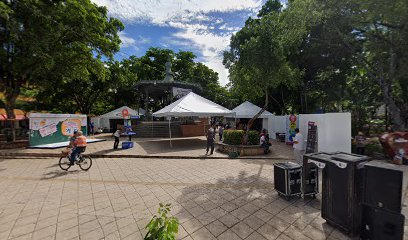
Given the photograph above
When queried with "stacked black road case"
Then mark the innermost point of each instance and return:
(382, 218)
(287, 178)
(342, 187)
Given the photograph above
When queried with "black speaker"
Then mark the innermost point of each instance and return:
(383, 186)
(380, 224)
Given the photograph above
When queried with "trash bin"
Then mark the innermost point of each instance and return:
(342, 188)
(127, 145)
(287, 179)
(280, 137)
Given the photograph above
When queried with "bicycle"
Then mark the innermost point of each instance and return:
(84, 162)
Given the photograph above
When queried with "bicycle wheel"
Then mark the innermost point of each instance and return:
(64, 163)
(85, 163)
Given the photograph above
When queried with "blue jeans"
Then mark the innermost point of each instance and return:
(75, 153)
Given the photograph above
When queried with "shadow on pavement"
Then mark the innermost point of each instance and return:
(53, 165)
(106, 151)
(58, 173)
(179, 145)
(250, 199)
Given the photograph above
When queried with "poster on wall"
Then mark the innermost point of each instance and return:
(292, 122)
(54, 128)
(69, 126)
(311, 137)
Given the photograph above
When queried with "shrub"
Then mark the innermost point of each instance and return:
(162, 227)
(253, 137)
(233, 137)
(374, 150)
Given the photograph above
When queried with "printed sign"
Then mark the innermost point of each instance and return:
(48, 130)
(125, 113)
(180, 92)
(69, 126)
(311, 137)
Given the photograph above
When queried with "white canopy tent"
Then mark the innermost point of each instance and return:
(192, 105)
(249, 110)
(103, 120)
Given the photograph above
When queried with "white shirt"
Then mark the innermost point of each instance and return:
(298, 138)
(262, 140)
(116, 134)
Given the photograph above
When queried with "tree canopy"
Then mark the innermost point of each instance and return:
(322, 56)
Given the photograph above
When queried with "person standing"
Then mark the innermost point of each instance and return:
(360, 140)
(298, 146)
(210, 139)
(92, 128)
(116, 135)
(220, 132)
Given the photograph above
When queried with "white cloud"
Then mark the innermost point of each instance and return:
(131, 42)
(231, 29)
(161, 11)
(195, 27)
(126, 41)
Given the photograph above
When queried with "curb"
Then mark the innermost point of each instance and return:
(55, 155)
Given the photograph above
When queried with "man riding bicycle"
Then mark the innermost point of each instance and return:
(79, 146)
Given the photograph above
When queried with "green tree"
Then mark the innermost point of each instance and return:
(47, 41)
(374, 31)
(258, 60)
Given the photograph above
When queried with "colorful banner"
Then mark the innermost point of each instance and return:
(48, 130)
(54, 128)
(69, 126)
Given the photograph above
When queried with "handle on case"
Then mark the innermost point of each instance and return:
(318, 164)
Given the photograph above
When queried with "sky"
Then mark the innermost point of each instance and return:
(202, 27)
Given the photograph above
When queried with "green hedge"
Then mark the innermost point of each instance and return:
(253, 137)
(233, 137)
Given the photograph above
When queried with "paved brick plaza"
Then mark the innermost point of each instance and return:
(213, 199)
(185, 147)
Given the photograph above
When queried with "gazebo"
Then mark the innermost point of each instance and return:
(164, 90)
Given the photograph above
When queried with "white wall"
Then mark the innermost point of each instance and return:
(276, 124)
(333, 130)
(97, 122)
(265, 124)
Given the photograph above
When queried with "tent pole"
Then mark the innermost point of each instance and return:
(171, 145)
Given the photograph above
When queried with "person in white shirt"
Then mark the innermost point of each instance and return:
(298, 146)
(116, 135)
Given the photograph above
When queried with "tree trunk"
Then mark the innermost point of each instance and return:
(252, 120)
(12, 90)
(385, 85)
(394, 109)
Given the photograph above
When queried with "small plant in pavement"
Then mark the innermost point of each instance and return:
(162, 227)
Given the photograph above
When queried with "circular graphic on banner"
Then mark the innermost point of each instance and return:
(292, 118)
(125, 113)
(69, 126)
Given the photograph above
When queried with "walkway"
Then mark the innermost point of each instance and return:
(193, 147)
(213, 199)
